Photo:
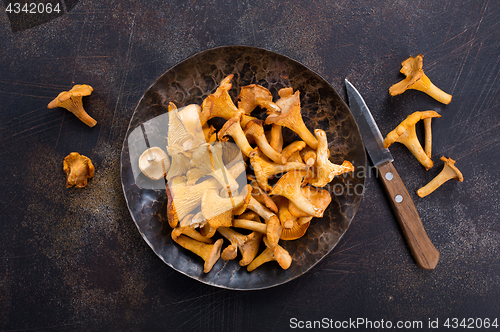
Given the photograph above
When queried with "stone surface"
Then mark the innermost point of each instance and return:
(74, 259)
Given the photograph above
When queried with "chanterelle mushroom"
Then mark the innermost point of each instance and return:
(72, 101)
(291, 118)
(210, 253)
(154, 163)
(220, 105)
(325, 169)
(254, 95)
(289, 186)
(276, 253)
(417, 80)
(78, 169)
(450, 171)
(406, 134)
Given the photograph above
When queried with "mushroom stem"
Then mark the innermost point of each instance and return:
(276, 140)
(250, 248)
(289, 186)
(284, 214)
(232, 128)
(410, 140)
(449, 172)
(425, 85)
(272, 254)
(291, 148)
(236, 239)
(406, 134)
(250, 225)
(254, 129)
(428, 137)
(291, 118)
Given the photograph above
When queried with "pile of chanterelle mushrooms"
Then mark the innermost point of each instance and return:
(209, 190)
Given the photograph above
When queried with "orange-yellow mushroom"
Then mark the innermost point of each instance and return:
(78, 170)
(72, 101)
(450, 171)
(210, 253)
(291, 118)
(406, 134)
(417, 80)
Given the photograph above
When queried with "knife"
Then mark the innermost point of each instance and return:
(424, 252)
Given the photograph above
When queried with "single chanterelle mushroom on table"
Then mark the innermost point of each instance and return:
(78, 169)
(417, 80)
(450, 171)
(406, 134)
(154, 163)
(72, 101)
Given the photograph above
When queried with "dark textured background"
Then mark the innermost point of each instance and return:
(73, 259)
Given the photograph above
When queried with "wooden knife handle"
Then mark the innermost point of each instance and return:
(425, 253)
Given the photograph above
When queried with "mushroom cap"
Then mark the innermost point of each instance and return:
(449, 164)
(318, 197)
(412, 69)
(254, 95)
(78, 169)
(410, 121)
(78, 90)
(154, 163)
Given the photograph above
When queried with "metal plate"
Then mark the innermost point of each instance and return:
(191, 81)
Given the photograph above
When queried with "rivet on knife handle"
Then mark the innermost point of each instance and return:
(425, 253)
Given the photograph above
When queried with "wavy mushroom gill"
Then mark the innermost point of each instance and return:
(254, 95)
(78, 170)
(210, 253)
(417, 80)
(72, 101)
(220, 105)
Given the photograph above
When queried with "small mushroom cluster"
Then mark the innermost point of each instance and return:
(210, 195)
(405, 132)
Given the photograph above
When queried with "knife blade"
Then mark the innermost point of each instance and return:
(423, 251)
